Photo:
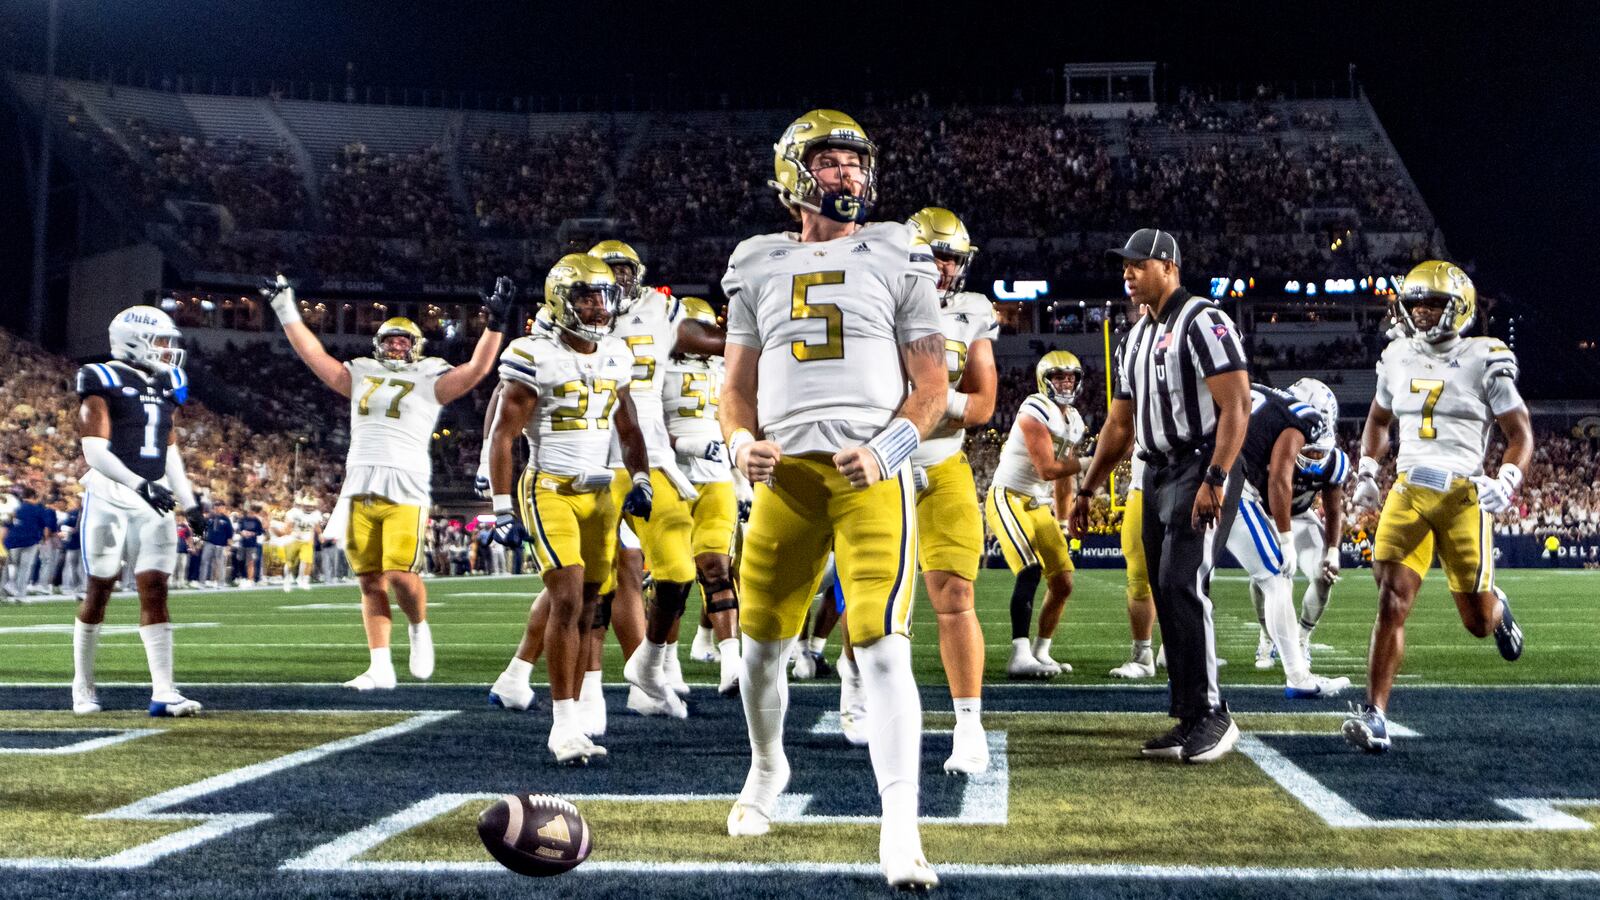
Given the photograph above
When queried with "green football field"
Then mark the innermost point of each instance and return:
(290, 786)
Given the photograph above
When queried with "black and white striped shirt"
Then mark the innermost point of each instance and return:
(1163, 366)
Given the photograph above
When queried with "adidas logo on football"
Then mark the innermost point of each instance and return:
(861, 248)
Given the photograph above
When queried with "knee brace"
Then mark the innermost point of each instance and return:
(720, 595)
(602, 611)
(671, 597)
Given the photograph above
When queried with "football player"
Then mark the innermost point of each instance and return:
(689, 400)
(395, 397)
(654, 326)
(305, 526)
(1321, 470)
(1261, 539)
(949, 522)
(127, 423)
(1447, 391)
(567, 393)
(826, 328)
(1037, 466)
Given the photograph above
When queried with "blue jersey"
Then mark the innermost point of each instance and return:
(250, 530)
(31, 523)
(219, 530)
(141, 406)
(69, 524)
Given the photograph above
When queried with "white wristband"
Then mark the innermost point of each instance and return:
(1331, 557)
(1511, 475)
(641, 478)
(501, 503)
(955, 405)
(1368, 467)
(894, 445)
(738, 439)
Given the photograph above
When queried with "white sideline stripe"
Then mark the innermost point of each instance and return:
(355, 605)
(212, 825)
(105, 630)
(84, 746)
(1537, 813)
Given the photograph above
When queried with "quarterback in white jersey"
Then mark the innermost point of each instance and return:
(949, 520)
(1034, 473)
(1447, 391)
(826, 328)
(567, 394)
(395, 397)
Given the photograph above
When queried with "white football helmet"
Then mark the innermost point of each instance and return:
(135, 333)
(1321, 398)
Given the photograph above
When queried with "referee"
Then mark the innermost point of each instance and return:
(1182, 397)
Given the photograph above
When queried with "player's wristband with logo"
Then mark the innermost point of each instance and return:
(955, 406)
(501, 503)
(892, 446)
(738, 439)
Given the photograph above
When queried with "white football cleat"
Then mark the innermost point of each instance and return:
(175, 705)
(645, 705)
(1024, 665)
(728, 683)
(1315, 686)
(969, 751)
(672, 671)
(1161, 657)
(853, 722)
(1141, 666)
(573, 749)
(420, 659)
(288, 585)
(1264, 655)
(751, 815)
(1054, 668)
(592, 714)
(372, 680)
(805, 667)
(747, 821)
(84, 699)
(704, 647)
(904, 866)
(511, 692)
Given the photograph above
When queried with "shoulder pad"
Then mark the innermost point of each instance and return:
(97, 378)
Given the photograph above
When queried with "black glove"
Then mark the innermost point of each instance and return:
(500, 304)
(638, 501)
(744, 510)
(508, 531)
(481, 487)
(159, 498)
(196, 519)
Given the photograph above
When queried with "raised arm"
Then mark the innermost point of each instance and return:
(328, 370)
(456, 382)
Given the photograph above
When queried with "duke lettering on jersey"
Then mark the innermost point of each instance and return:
(141, 407)
(1446, 401)
(829, 320)
(966, 320)
(570, 430)
(1015, 471)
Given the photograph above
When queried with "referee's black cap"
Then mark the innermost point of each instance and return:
(1149, 243)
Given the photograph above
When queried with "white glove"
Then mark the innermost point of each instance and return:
(281, 296)
(1367, 495)
(707, 448)
(1494, 494)
(1291, 562)
(919, 478)
(1330, 566)
(480, 483)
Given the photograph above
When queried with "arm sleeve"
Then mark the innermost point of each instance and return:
(1214, 341)
(178, 479)
(97, 453)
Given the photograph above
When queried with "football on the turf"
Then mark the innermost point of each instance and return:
(535, 834)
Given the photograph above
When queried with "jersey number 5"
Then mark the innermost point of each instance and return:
(1434, 388)
(832, 345)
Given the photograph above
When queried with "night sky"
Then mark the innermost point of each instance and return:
(1494, 117)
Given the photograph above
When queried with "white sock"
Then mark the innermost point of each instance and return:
(967, 711)
(816, 644)
(894, 727)
(590, 691)
(669, 661)
(420, 632)
(1140, 648)
(729, 647)
(1283, 626)
(84, 639)
(382, 661)
(1041, 647)
(849, 683)
(158, 653)
(764, 692)
(564, 715)
(1020, 647)
(520, 670)
(704, 635)
(655, 656)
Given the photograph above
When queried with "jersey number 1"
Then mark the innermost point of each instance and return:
(1434, 388)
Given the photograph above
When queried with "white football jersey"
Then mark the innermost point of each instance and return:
(689, 399)
(1446, 402)
(1014, 471)
(967, 319)
(570, 430)
(303, 522)
(829, 318)
(392, 414)
(650, 329)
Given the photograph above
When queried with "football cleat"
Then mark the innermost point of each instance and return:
(728, 682)
(511, 693)
(1315, 686)
(805, 666)
(1161, 657)
(652, 683)
(1366, 728)
(1054, 668)
(642, 703)
(969, 751)
(1266, 654)
(1141, 665)
(745, 820)
(420, 659)
(372, 681)
(1024, 665)
(751, 815)
(592, 715)
(904, 866)
(1507, 635)
(704, 647)
(573, 749)
(84, 699)
(175, 705)
(1211, 737)
(853, 722)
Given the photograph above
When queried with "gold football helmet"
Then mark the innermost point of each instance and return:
(574, 274)
(944, 232)
(390, 328)
(791, 156)
(1051, 363)
(617, 253)
(1436, 279)
(306, 501)
(700, 310)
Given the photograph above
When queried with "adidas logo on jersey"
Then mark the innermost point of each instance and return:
(1455, 363)
(961, 317)
(861, 248)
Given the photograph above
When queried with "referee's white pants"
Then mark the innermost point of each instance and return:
(1253, 541)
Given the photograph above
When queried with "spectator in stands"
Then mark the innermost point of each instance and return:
(214, 552)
